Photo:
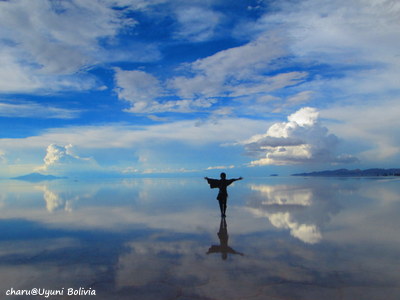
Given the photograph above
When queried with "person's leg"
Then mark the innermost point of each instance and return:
(221, 207)
(224, 208)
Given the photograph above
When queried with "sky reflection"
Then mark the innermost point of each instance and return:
(149, 238)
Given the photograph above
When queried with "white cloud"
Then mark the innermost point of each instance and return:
(35, 110)
(308, 233)
(340, 27)
(282, 195)
(115, 144)
(196, 23)
(143, 91)
(235, 71)
(301, 139)
(43, 42)
(335, 31)
(181, 106)
(259, 85)
(372, 125)
(290, 207)
(221, 167)
(53, 201)
(13, 75)
(63, 199)
(299, 98)
(116, 136)
(3, 158)
(358, 40)
(62, 160)
(358, 43)
(137, 87)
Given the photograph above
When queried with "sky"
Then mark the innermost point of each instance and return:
(164, 87)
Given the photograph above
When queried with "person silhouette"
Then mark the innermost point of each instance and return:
(223, 246)
(222, 185)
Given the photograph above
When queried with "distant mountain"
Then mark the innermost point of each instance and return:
(353, 173)
(36, 177)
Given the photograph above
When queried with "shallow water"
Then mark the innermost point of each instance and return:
(283, 238)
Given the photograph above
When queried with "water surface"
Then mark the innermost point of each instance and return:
(283, 238)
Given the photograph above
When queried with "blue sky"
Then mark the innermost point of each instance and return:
(155, 87)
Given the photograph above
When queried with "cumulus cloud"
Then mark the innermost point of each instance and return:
(302, 139)
(307, 233)
(282, 206)
(52, 199)
(62, 159)
(282, 195)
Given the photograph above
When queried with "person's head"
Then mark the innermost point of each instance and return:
(223, 175)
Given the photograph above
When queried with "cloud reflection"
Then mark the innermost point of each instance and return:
(283, 194)
(285, 198)
(149, 240)
(55, 201)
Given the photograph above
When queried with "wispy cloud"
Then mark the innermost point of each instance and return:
(227, 72)
(110, 136)
(43, 42)
(144, 92)
(196, 23)
(221, 167)
(234, 73)
(3, 158)
(18, 109)
(374, 126)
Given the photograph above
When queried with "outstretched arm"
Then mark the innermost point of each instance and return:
(233, 180)
(232, 251)
(214, 183)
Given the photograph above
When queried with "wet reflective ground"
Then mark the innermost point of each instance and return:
(283, 238)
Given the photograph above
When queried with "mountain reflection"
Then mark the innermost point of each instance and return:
(223, 246)
(279, 205)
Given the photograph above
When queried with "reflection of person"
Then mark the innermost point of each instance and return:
(222, 184)
(223, 247)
